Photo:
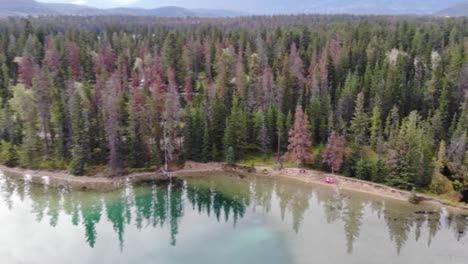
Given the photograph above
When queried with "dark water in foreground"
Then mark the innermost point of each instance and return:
(222, 219)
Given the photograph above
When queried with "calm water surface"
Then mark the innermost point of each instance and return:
(222, 219)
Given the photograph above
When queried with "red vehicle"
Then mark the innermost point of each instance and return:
(329, 180)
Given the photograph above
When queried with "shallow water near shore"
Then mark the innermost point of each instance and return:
(222, 219)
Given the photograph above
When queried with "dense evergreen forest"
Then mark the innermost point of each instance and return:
(378, 98)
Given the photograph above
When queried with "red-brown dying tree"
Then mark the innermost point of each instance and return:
(333, 153)
(299, 138)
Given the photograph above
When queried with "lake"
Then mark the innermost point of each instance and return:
(222, 219)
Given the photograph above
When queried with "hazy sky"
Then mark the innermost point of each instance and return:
(213, 4)
(97, 3)
(116, 3)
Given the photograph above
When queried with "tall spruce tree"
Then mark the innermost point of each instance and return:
(80, 149)
(193, 134)
(25, 104)
(235, 135)
(359, 123)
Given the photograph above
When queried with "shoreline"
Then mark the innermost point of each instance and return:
(354, 185)
(62, 179)
(65, 180)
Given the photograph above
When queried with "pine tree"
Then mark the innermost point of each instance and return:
(193, 134)
(313, 111)
(359, 123)
(188, 134)
(153, 122)
(225, 74)
(169, 126)
(364, 168)
(230, 157)
(111, 123)
(187, 61)
(74, 59)
(376, 127)
(51, 58)
(24, 103)
(4, 81)
(137, 155)
(26, 70)
(457, 150)
(411, 160)
(442, 158)
(264, 137)
(80, 151)
(281, 134)
(41, 85)
(206, 151)
(271, 126)
(13, 158)
(359, 128)
(299, 138)
(323, 125)
(333, 153)
(235, 135)
(218, 125)
(392, 124)
(171, 54)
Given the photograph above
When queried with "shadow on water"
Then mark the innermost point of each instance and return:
(228, 199)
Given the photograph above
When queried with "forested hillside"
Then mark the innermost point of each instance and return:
(378, 98)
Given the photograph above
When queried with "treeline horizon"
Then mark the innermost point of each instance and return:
(377, 98)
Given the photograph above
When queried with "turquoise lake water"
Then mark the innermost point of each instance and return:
(222, 219)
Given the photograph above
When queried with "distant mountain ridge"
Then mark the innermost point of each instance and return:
(258, 7)
(456, 10)
(33, 8)
(362, 7)
(20, 7)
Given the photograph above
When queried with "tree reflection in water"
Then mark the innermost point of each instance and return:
(228, 199)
